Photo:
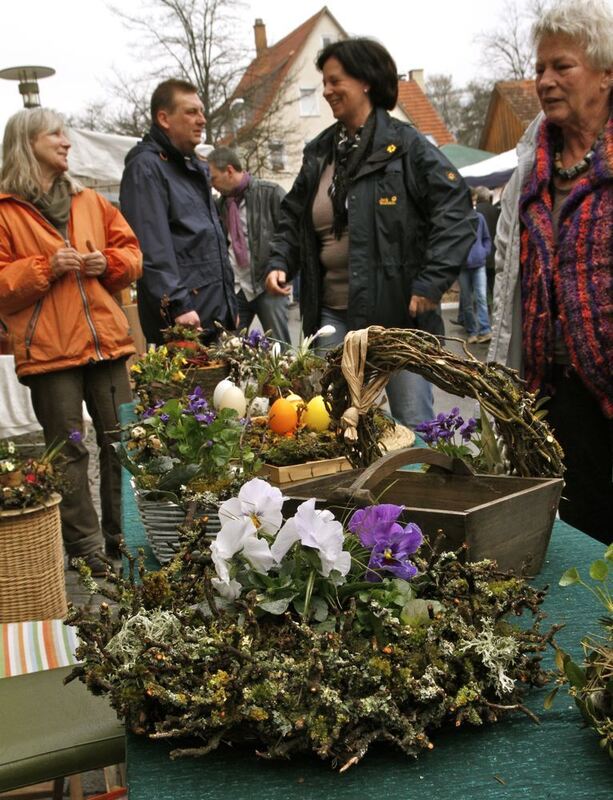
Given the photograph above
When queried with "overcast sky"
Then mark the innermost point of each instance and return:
(83, 40)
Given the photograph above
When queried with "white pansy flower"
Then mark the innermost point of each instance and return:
(230, 589)
(257, 501)
(239, 536)
(317, 529)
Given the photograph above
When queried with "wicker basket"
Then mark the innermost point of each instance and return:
(32, 583)
(205, 377)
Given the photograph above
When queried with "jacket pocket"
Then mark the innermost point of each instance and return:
(195, 274)
(393, 225)
(31, 327)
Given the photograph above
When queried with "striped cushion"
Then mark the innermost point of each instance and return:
(33, 646)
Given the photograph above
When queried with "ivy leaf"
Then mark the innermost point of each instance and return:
(575, 674)
(548, 701)
(570, 576)
(599, 570)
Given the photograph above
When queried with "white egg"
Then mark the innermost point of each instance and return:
(234, 398)
(220, 390)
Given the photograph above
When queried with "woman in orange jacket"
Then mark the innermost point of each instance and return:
(64, 252)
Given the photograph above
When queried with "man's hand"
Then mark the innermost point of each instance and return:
(419, 305)
(275, 283)
(66, 259)
(190, 318)
(94, 262)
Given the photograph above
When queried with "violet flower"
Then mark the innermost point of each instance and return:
(198, 407)
(390, 542)
(75, 436)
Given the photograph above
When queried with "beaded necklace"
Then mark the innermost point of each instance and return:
(570, 173)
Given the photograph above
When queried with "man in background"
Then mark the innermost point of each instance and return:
(249, 209)
(166, 197)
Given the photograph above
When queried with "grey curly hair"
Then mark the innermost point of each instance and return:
(588, 22)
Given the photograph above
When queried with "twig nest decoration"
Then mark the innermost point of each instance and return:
(360, 369)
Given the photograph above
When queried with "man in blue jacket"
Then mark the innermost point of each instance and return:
(166, 197)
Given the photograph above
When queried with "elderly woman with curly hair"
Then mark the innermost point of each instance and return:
(553, 294)
(64, 252)
(378, 222)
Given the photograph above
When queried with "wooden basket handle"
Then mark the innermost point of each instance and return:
(360, 490)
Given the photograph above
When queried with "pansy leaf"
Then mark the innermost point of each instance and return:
(276, 607)
(570, 576)
(599, 570)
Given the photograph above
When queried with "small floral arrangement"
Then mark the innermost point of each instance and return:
(184, 445)
(27, 482)
(159, 365)
(472, 440)
(299, 634)
(264, 366)
(591, 683)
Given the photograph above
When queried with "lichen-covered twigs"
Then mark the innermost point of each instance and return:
(530, 445)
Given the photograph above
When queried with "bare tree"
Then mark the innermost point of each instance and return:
(475, 103)
(447, 99)
(507, 49)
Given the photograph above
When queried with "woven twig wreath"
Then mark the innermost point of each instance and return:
(529, 443)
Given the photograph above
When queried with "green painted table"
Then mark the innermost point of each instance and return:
(513, 759)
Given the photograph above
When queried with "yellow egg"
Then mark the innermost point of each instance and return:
(282, 416)
(316, 416)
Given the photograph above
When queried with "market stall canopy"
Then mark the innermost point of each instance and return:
(492, 172)
(462, 156)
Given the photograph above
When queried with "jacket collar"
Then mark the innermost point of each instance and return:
(167, 150)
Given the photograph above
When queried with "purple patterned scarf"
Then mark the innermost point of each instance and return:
(570, 285)
(235, 228)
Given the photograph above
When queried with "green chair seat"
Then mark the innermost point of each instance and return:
(48, 730)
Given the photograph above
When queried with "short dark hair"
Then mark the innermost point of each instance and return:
(366, 60)
(163, 97)
(224, 157)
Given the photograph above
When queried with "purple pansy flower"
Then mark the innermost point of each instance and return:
(390, 542)
(374, 522)
(391, 555)
(149, 412)
(75, 436)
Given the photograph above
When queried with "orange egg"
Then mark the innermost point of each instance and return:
(282, 416)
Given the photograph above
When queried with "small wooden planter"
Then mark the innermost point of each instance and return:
(280, 476)
(205, 377)
(508, 519)
(32, 583)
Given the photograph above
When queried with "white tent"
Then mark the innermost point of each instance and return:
(98, 156)
(500, 163)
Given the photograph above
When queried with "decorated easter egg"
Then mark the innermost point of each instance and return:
(282, 416)
(315, 416)
(220, 390)
(234, 398)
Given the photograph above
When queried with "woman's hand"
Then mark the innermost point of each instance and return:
(94, 262)
(66, 259)
(276, 282)
(419, 305)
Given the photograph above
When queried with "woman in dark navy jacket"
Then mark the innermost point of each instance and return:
(378, 222)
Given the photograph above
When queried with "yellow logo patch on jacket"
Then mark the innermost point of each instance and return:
(388, 201)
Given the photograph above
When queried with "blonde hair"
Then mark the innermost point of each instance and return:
(21, 174)
(587, 22)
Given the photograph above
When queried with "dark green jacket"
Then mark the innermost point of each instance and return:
(411, 225)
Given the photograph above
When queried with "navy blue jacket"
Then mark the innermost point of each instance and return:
(166, 198)
(411, 225)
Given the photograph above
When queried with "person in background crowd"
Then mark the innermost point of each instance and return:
(490, 213)
(473, 286)
(64, 252)
(166, 197)
(377, 223)
(250, 208)
(554, 259)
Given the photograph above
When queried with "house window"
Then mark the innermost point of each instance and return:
(309, 103)
(277, 156)
(326, 39)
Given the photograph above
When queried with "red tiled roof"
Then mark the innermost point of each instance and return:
(521, 97)
(265, 75)
(422, 113)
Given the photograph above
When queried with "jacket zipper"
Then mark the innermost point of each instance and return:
(32, 326)
(88, 316)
